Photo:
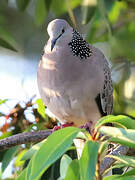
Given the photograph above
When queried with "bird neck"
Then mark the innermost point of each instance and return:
(79, 46)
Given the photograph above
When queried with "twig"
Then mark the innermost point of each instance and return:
(107, 161)
(71, 14)
(23, 138)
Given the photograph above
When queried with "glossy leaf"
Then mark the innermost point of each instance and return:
(32, 150)
(130, 173)
(88, 160)
(120, 119)
(119, 135)
(22, 4)
(19, 161)
(28, 170)
(22, 175)
(114, 177)
(73, 171)
(53, 172)
(65, 161)
(8, 156)
(103, 147)
(56, 144)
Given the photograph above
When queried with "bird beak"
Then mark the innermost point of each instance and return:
(53, 42)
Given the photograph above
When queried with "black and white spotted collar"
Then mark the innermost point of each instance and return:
(79, 46)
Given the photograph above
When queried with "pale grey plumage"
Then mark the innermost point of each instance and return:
(71, 75)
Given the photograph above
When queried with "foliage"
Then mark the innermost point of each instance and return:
(112, 24)
(88, 165)
(58, 151)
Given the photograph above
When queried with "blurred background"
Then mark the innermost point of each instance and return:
(107, 24)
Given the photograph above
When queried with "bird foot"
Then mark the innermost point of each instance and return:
(87, 126)
(62, 126)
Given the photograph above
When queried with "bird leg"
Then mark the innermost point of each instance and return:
(87, 126)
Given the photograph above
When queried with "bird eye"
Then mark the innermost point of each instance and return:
(63, 30)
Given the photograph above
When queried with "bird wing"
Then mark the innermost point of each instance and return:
(106, 94)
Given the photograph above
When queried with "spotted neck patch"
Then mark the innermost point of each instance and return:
(79, 46)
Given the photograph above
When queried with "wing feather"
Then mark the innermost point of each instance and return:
(106, 94)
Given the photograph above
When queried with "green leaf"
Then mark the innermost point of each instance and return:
(53, 172)
(59, 7)
(8, 156)
(119, 135)
(22, 4)
(73, 171)
(6, 45)
(6, 39)
(117, 165)
(41, 11)
(19, 161)
(115, 9)
(127, 160)
(22, 175)
(5, 135)
(28, 170)
(129, 173)
(3, 101)
(120, 119)
(88, 160)
(65, 161)
(31, 151)
(55, 145)
(88, 10)
(115, 177)
(41, 107)
(103, 147)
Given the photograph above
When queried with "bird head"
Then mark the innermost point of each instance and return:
(59, 30)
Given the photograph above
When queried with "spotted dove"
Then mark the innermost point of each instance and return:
(74, 77)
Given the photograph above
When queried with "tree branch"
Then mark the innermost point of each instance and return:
(107, 161)
(23, 138)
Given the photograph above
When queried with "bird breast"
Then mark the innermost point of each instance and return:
(60, 73)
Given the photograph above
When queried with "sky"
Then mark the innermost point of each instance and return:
(17, 76)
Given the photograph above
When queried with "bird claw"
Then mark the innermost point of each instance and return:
(55, 128)
(87, 126)
(61, 126)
